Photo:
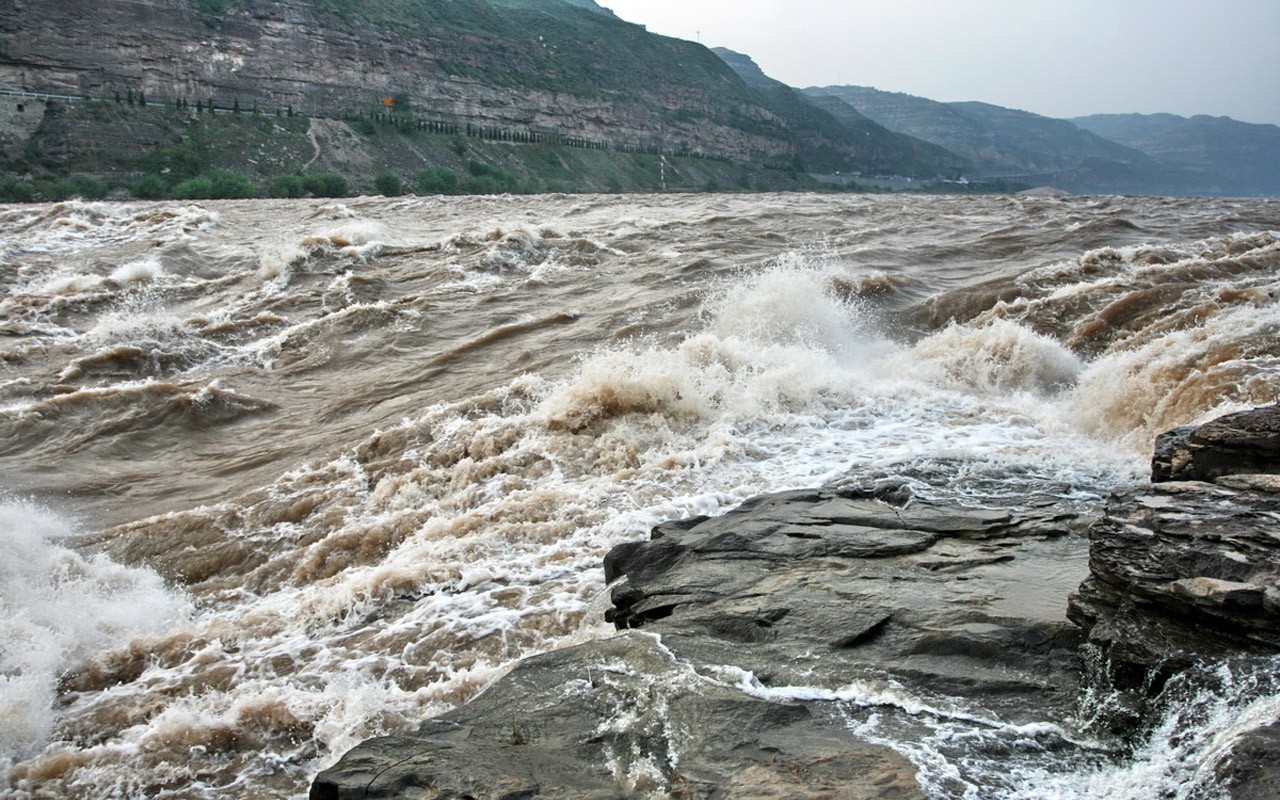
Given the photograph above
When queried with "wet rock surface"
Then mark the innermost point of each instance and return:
(1184, 574)
(1247, 442)
(1189, 567)
(797, 595)
(1181, 571)
(817, 587)
(616, 718)
(1249, 771)
(869, 597)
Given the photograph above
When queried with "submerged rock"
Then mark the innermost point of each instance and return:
(622, 717)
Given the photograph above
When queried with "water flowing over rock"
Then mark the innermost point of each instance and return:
(621, 717)
(871, 596)
(359, 460)
(1186, 572)
(824, 589)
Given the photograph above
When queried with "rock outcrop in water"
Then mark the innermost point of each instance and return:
(822, 589)
(1189, 566)
(621, 717)
(1238, 444)
(869, 597)
(1185, 572)
(856, 578)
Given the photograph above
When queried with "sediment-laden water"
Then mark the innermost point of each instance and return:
(279, 476)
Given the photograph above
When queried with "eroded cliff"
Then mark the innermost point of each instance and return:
(529, 67)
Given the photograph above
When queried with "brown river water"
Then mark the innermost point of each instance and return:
(279, 476)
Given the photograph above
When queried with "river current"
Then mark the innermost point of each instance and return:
(280, 476)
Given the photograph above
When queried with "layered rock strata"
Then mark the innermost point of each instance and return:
(1184, 586)
(323, 61)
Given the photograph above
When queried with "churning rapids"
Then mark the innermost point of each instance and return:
(280, 476)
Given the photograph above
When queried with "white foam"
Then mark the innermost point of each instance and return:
(1179, 757)
(57, 608)
(75, 225)
(142, 270)
(419, 580)
(1000, 358)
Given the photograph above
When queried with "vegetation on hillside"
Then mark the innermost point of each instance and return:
(99, 148)
(142, 145)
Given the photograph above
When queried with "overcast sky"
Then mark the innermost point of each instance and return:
(1061, 58)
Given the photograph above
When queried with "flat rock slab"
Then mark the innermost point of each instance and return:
(622, 718)
(821, 588)
(792, 595)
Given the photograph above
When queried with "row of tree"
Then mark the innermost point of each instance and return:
(401, 118)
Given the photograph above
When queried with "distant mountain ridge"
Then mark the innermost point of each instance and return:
(1127, 153)
(1240, 157)
(1018, 145)
(590, 5)
(836, 137)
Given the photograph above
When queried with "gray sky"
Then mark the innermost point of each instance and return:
(1061, 58)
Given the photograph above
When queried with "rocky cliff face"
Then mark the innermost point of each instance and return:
(529, 67)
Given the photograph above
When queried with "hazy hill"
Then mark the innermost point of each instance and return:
(1236, 157)
(591, 6)
(1017, 144)
(834, 137)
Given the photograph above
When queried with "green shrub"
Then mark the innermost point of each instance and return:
(228, 184)
(89, 188)
(486, 179)
(482, 170)
(150, 187)
(326, 184)
(220, 184)
(197, 188)
(13, 190)
(437, 180)
(389, 184)
(54, 191)
(482, 185)
(287, 186)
